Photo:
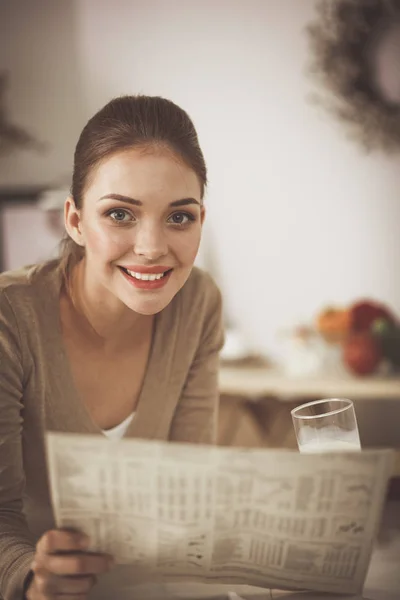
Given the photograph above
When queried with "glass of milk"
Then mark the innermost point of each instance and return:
(327, 425)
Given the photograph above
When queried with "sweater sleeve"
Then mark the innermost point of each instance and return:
(196, 416)
(16, 544)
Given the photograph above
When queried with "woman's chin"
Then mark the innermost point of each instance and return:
(147, 307)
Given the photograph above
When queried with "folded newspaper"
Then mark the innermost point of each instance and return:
(180, 512)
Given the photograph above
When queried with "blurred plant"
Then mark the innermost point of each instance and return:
(12, 136)
(344, 39)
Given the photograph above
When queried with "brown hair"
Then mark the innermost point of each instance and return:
(342, 38)
(129, 122)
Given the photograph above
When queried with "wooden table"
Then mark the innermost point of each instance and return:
(261, 387)
(256, 382)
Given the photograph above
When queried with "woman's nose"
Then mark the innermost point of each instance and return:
(150, 241)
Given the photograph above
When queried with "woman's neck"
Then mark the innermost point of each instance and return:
(101, 317)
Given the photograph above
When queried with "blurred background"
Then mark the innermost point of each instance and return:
(299, 218)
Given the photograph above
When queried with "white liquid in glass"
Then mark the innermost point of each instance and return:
(328, 439)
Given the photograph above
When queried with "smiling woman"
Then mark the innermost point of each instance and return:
(141, 211)
(120, 336)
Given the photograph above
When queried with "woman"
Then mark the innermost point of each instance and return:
(119, 337)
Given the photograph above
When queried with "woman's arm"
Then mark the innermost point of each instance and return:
(16, 544)
(196, 416)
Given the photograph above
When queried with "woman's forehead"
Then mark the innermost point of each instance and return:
(142, 173)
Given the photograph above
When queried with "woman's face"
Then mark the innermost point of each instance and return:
(140, 225)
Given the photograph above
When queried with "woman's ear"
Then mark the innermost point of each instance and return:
(72, 221)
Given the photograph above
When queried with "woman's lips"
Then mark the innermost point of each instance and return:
(150, 279)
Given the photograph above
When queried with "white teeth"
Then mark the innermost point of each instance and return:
(145, 276)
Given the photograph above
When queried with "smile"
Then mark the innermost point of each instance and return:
(145, 276)
(146, 281)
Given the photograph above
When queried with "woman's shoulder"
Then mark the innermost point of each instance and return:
(201, 314)
(27, 281)
(200, 292)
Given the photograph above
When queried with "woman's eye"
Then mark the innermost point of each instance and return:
(181, 218)
(119, 215)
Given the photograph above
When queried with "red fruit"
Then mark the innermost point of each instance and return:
(365, 312)
(362, 353)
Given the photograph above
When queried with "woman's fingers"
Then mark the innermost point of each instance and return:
(49, 584)
(77, 563)
(62, 540)
(63, 568)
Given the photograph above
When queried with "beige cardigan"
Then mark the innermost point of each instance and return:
(178, 399)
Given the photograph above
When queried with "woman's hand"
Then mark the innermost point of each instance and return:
(63, 568)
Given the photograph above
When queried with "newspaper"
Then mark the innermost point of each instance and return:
(180, 512)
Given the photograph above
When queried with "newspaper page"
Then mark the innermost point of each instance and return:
(181, 512)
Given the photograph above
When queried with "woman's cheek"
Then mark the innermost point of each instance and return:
(189, 248)
(106, 242)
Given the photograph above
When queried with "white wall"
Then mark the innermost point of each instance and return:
(299, 217)
(38, 47)
(28, 238)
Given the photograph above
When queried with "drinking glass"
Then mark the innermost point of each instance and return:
(326, 425)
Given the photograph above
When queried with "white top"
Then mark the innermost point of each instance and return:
(118, 432)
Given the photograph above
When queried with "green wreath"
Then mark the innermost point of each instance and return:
(344, 39)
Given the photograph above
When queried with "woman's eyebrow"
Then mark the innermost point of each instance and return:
(129, 200)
